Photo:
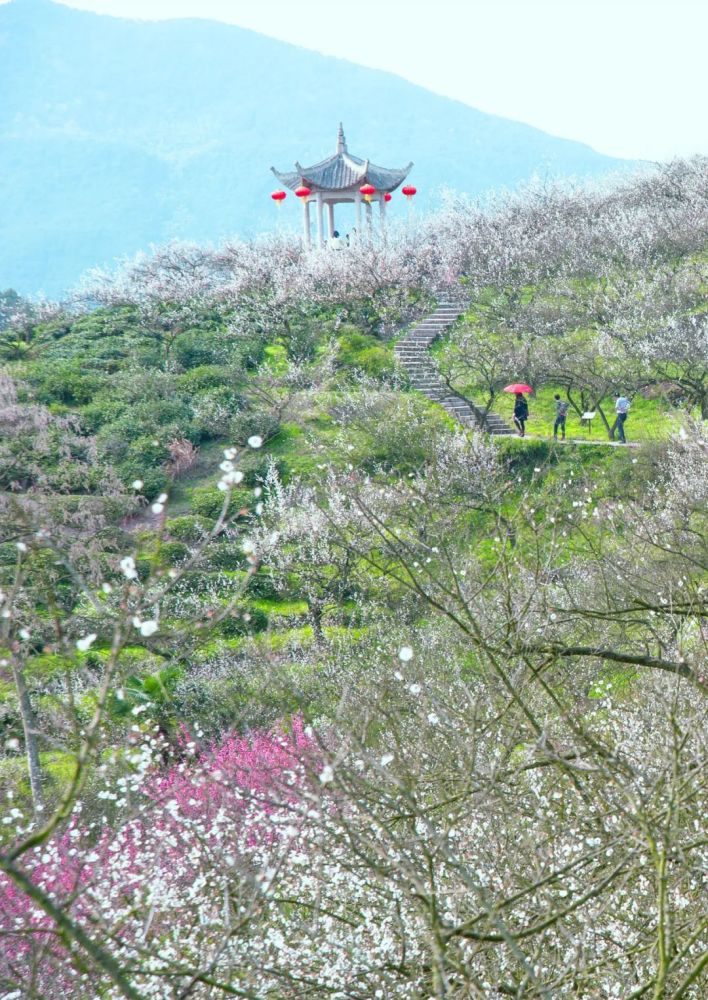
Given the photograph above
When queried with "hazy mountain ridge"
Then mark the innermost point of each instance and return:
(115, 134)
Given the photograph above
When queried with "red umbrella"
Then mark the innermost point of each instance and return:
(518, 387)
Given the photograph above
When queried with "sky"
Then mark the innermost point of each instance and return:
(626, 76)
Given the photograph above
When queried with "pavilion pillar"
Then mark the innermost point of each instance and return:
(357, 205)
(382, 212)
(320, 219)
(369, 220)
(330, 218)
(306, 221)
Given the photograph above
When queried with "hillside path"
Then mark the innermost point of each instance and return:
(413, 354)
(412, 351)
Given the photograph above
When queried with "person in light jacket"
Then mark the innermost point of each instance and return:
(622, 405)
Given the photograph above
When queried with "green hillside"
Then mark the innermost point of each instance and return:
(306, 690)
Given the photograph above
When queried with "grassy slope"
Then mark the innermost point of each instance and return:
(309, 442)
(649, 419)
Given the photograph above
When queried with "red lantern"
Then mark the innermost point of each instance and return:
(409, 191)
(303, 192)
(279, 197)
(367, 190)
(388, 196)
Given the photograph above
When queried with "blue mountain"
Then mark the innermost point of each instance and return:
(116, 134)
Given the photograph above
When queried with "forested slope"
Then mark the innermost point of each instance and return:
(305, 691)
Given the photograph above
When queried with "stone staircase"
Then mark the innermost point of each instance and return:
(414, 357)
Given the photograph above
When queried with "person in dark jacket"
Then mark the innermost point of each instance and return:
(521, 413)
(561, 414)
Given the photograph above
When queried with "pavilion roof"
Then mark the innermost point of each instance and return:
(341, 172)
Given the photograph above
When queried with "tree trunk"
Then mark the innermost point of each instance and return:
(31, 745)
(316, 614)
(610, 430)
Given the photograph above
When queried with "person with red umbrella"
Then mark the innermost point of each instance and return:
(521, 407)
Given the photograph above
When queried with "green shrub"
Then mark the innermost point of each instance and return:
(246, 621)
(148, 452)
(393, 431)
(155, 481)
(65, 382)
(363, 353)
(172, 553)
(226, 556)
(263, 586)
(104, 409)
(8, 554)
(213, 411)
(205, 377)
(246, 423)
(161, 419)
(207, 502)
(75, 477)
(196, 348)
(186, 528)
(527, 455)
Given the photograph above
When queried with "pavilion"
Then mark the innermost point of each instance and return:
(338, 180)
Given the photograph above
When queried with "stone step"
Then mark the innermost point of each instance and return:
(412, 354)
